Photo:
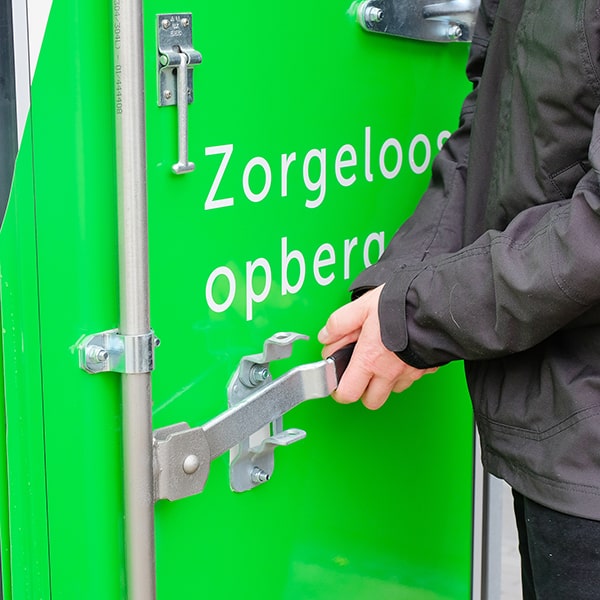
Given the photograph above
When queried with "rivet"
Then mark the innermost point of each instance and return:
(168, 94)
(165, 23)
(191, 464)
(185, 21)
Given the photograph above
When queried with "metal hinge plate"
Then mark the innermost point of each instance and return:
(427, 20)
(174, 39)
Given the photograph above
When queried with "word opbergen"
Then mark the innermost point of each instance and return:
(259, 274)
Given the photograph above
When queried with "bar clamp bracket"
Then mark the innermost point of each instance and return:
(111, 351)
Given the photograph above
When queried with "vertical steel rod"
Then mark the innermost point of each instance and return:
(134, 295)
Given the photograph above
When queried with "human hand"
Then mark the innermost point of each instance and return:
(374, 371)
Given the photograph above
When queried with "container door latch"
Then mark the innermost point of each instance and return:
(251, 428)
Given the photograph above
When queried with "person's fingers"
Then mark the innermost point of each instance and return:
(370, 365)
(412, 374)
(377, 393)
(343, 341)
(348, 318)
(373, 371)
(351, 388)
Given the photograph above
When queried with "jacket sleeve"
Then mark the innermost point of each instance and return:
(436, 226)
(508, 290)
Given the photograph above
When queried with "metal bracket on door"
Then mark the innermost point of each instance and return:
(176, 59)
(111, 351)
(252, 461)
(182, 455)
(446, 21)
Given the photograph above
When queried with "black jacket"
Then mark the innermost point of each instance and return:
(500, 263)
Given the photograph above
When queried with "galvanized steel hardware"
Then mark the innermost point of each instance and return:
(449, 21)
(176, 59)
(111, 351)
(252, 462)
(181, 461)
(182, 455)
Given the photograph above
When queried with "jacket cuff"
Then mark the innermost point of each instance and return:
(392, 317)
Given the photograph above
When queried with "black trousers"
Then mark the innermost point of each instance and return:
(560, 554)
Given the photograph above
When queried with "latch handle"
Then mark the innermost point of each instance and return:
(183, 165)
(341, 359)
(182, 455)
(176, 60)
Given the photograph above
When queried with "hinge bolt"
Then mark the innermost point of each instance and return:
(259, 476)
(258, 374)
(191, 464)
(454, 32)
(373, 14)
(96, 354)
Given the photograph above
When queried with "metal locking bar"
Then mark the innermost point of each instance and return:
(176, 59)
(445, 21)
(182, 455)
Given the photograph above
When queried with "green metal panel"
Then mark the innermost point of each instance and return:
(370, 504)
(58, 282)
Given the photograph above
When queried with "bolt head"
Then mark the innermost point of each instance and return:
(96, 354)
(373, 14)
(185, 21)
(258, 374)
(454, 32)
(259, 476)
(165, 23)
(168, 94)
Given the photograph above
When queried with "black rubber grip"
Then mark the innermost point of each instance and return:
(341, 358)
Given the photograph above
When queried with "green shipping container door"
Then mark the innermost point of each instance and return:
(312, 140)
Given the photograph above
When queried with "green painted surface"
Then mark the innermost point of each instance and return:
(4, 513)
(59, 261)
(27, 515)
(370, 505)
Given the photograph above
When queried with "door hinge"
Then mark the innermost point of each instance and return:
(447, 21)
